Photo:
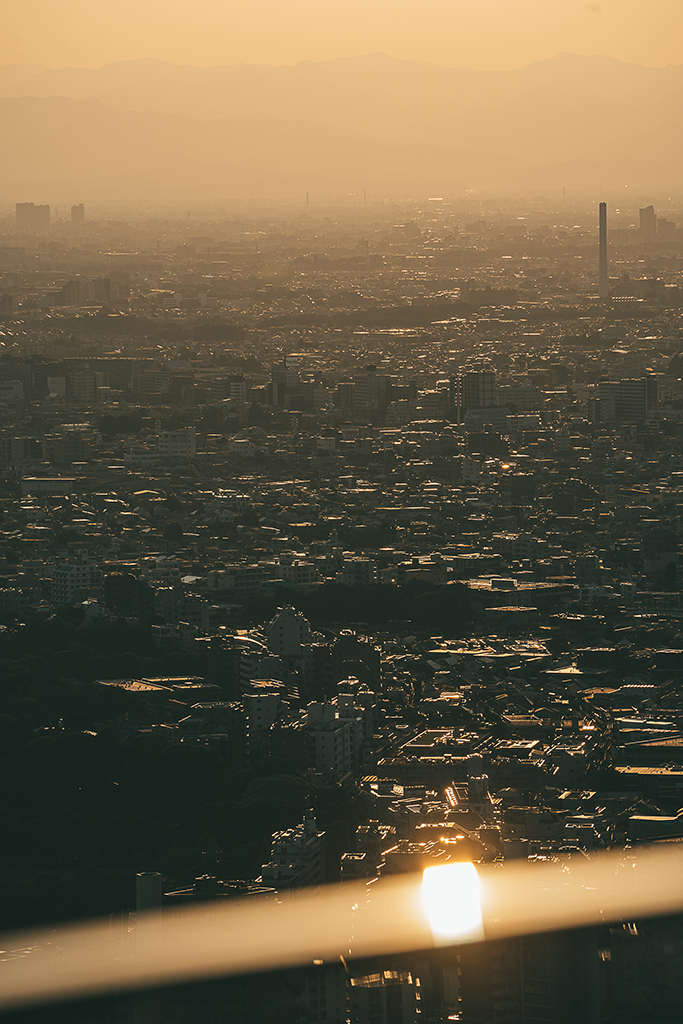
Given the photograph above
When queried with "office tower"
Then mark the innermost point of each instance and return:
(604, 281)
(648, 222)
(32, 219)
(78, 215)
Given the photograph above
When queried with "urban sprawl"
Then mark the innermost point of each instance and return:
(340, 541)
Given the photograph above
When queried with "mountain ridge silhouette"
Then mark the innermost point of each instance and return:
(372, 122)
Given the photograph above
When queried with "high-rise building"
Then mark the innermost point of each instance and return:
(100, 289)
(666, 228)
(534, 979)
(297, 857)
(32, 219)
(332, 738)
(78, 215)
(604, 280)
(74, 581)
(386, 997)
(627, 401)
(81, 385)
(648, 222)
(478, 389)
(287, 631)
(284, 377)
(637, 398)
(177, 444)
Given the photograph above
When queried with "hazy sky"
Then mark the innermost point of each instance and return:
(455, 33)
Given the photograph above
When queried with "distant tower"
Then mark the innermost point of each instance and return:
(648, 222)
(604, 282)
(78, 215)
(32, 219)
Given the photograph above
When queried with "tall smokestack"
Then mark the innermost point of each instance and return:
(604, 281)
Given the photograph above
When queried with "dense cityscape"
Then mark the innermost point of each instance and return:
(338, 541)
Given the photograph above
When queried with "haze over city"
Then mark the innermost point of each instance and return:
(341, 511)
(175, 103)
(489, 34)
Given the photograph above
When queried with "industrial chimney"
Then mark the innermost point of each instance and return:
(604, 281)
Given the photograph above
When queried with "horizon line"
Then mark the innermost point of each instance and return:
(331, 60)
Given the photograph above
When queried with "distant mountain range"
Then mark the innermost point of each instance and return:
(136, 130)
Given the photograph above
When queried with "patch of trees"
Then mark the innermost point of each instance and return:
(87, 811)
(428, 607)
(86, 806)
